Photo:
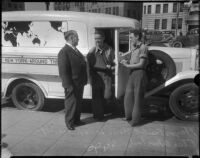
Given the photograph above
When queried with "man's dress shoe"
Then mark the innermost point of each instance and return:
(70, 127)
(79, 123)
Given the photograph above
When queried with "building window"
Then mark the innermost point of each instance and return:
(144, 9)
(164, 23)
(9, 5)
(82, 3)
(76, 4)
(109, 10)
(158, 8)
(173, 23)
(117, 10)
(15, 6)
(165, 8)
(180, 21)
(106, 10)
(174, 7)
(134, 13)
(99, 10)
(128, 13)
(157, 22)
(181, 7)
(113, 10)
(149, 9)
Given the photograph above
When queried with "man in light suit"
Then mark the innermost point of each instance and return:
(72, 71)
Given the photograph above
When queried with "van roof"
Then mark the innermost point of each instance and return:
(93, 19)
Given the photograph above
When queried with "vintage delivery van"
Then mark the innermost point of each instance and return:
(31, 41)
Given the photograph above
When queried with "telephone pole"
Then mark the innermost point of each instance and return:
(177, 15)
(47, 5)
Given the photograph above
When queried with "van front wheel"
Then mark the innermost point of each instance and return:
(28, 96)
(183, 102)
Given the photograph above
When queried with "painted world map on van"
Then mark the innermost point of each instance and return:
(33, 33)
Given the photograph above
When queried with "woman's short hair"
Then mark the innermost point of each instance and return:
(137, 33)
(69, 33)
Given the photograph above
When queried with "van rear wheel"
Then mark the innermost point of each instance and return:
(183, 102)
(28, 96)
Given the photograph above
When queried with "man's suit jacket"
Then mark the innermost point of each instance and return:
(72, 67)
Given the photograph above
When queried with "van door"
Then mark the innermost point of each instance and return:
(121, 73)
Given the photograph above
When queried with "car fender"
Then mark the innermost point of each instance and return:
(185, 75)
(18, 77)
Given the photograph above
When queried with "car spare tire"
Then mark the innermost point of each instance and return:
(177, 44)
(160, 68)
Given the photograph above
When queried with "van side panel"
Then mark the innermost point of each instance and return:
(30, 49)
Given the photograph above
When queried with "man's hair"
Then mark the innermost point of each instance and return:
(99, 32)
(69, 33)
(137, 33)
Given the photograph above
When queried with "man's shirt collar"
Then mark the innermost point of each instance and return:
(71, 46)
(100, 50)
(137, 46)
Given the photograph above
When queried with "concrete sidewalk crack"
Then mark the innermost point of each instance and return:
(128, 142)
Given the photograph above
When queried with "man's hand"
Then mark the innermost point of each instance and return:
(108, 66)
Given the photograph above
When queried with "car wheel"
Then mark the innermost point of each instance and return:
(183, 102)
(160, 68)
(177, 44)
(28, 96)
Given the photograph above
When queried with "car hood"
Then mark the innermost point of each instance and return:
(174, 52)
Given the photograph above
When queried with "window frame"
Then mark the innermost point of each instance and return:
(165, 10)
(145, 9)
(173, 23)
(175, 5)
(158, 8)
(149, 9)
(157, 21)
(163, 24)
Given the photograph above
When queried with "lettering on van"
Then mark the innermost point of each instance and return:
(28, 60)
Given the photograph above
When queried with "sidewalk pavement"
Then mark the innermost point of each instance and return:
(44, 134)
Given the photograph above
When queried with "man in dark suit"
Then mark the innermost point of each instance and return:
(72, 71)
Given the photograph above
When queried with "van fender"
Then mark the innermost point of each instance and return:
(18, 77)
(181, 76)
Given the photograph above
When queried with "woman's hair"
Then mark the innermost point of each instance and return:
(137, 33)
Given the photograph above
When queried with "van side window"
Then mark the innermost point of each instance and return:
(124, 40)
(81, 29)
(33, 33)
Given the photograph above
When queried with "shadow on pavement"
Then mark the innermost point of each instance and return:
(57, 105)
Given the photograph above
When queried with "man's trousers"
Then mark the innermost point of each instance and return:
(73, 103)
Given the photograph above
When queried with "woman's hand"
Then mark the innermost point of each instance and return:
(124, 62)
